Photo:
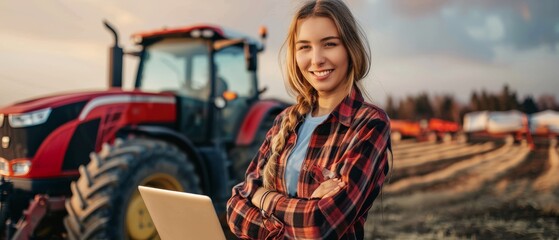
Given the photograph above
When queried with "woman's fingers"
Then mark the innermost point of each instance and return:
(339, 185)
(331, 183)
(324, 188)
(333, 191)
(328, 188)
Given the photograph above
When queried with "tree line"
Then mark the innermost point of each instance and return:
(423, 106)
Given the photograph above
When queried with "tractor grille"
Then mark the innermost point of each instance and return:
(24, 142)
(16, 141)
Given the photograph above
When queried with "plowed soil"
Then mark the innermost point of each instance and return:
(475, 190)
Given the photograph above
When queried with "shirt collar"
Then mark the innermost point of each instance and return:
(345, 111)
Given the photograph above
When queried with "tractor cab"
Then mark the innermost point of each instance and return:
(210, 70)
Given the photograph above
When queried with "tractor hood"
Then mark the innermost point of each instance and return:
(52, 136)
(59, 100)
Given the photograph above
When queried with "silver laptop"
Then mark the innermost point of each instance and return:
(180, 215)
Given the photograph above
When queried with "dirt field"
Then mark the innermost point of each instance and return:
(481, 190)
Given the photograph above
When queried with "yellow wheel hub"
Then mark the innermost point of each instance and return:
(138, 221)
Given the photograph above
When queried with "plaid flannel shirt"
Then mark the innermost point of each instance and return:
(354, 144)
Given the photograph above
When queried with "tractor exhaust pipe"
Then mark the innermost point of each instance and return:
(115, 59)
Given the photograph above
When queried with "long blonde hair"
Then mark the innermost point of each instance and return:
(353, 39)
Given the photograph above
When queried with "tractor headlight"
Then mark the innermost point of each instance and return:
(207, 33)
(1, 119)
(29, 119)
(21, 167)
(195, 33)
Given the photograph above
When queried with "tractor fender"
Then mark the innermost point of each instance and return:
(181, 141)
(254, 118)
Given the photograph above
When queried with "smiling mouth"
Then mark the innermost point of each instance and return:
(322, 73)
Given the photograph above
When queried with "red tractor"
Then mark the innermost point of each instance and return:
(71, 163)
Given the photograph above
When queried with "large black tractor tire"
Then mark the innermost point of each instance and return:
(242, 156)
(105, 202)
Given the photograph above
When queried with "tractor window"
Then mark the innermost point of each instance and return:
(232, 75)
(177, 65)
(231, 68)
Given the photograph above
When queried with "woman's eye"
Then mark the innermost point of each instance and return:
(303, 47)
(331, 44)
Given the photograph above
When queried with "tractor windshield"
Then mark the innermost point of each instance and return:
(177, 65)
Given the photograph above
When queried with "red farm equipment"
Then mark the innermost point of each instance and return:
(430, 130)
(71, 163)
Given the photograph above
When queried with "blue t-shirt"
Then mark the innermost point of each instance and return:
(295, 159)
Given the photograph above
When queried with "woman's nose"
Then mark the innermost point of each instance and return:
(318, 57)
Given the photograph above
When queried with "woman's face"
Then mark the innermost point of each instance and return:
(321, 56)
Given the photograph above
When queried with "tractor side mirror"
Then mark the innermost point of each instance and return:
(251, 51)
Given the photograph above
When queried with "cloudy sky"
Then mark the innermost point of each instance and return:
(435, 46)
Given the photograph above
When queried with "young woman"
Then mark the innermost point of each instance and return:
(324, 161)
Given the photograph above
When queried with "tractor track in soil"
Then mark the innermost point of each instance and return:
(428, 167)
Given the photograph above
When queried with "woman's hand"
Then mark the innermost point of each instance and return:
(328, 188)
